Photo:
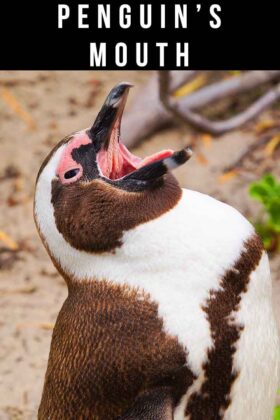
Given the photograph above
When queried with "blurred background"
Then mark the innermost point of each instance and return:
(232, 122)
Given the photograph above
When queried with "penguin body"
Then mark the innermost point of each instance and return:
(169, 310)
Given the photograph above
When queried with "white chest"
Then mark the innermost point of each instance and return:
(176, 258)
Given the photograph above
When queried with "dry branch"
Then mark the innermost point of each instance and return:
(146, 111)
(147, 114)
(184, 114)
(229, 87)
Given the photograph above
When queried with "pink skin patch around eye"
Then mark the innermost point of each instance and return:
(67, 163)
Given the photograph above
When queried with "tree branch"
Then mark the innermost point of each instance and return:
(229, 87)
(147, 113)
(214, 127)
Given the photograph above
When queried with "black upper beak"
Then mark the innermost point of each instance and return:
(109, 116)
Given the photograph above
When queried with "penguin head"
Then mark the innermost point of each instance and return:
(90, 189)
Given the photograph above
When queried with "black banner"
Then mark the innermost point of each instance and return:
(201, 34)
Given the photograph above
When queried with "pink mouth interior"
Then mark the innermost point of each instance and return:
(117, 161)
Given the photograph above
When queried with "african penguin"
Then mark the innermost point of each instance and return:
(169, 313)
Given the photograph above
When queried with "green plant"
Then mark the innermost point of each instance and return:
(267, 191)
(276, 413)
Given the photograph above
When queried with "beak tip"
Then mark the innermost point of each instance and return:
(110, 112)
(126, 85)
(178, 158)
(188, 152)
(118, 94)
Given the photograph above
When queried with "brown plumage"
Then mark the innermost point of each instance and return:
(109, 347)
(213, 398)
(94, 216)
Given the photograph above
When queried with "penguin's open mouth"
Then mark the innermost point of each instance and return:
(117, 161)
(113, 158)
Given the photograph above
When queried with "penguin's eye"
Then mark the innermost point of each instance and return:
(71, 173)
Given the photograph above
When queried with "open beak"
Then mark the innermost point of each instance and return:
(109, 117)
(114, 159)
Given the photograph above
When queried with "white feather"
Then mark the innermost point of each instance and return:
(257, 354)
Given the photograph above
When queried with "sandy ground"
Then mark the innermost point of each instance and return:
(30, 289)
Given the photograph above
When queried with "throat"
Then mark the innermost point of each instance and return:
(94, 228)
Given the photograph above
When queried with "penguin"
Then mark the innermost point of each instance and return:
(169, 312)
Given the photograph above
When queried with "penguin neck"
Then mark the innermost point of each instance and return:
(140, 248)
(147, 251)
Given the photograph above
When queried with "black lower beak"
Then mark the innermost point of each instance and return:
(109, 117)
(153, 171)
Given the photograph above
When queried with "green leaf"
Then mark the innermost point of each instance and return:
(269, 180)
(267, 191)
(259, 192)
(265, 233)
(274, 212)
(266, 188)
(276, 414)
